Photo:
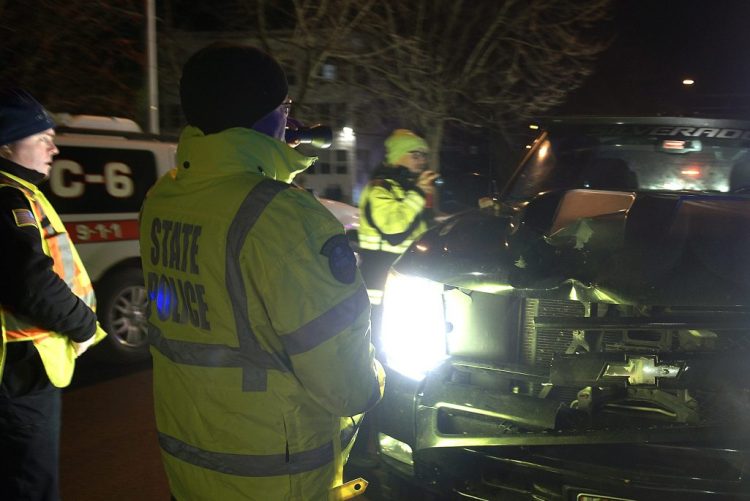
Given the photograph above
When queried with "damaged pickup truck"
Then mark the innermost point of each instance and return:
(586, 334)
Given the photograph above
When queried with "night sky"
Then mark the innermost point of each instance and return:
(658, 43)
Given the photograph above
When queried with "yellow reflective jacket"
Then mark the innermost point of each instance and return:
(259, 324)
(391, 217)
(55, 349)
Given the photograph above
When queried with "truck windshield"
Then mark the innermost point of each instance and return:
(635, 158)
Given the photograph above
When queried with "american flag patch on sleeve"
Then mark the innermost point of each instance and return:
(24, 217)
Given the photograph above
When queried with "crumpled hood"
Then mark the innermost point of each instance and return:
(627, 248)
(237, 150)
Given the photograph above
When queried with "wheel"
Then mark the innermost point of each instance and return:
(121, 309)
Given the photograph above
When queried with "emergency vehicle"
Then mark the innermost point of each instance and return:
(97, 184)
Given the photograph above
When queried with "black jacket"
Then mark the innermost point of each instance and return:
(32, 289)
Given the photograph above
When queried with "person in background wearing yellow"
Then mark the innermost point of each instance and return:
(393, 208)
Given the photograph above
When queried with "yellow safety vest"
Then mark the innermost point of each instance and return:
(260, 353)
(390, 217)
(55, 350)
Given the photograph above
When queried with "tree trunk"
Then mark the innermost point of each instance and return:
(434, 136)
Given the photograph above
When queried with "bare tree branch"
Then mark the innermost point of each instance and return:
(435, 62)
(76, 55)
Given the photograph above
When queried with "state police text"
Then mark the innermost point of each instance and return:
(175, 292)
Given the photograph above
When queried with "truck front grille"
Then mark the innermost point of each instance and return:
(539, 345)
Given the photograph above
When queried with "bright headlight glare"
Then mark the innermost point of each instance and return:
(413, 329)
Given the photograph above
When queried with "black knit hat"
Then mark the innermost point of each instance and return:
(21, 116)
(226, 85)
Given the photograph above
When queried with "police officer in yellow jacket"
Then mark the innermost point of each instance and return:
(393, 209)
(393, 206)
(258, 316)
(393, 213)
(46, 304)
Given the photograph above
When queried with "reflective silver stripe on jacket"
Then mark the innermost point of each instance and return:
(250, 356)
(63, 242)
(247, 465)
(377, 243)
(204, 354)
(327, 325)
(90, 299)
(66, 253)
(253, 378)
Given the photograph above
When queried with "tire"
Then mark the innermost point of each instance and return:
(121, 309)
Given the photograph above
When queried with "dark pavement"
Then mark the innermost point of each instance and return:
(109, 448)
(108, 445)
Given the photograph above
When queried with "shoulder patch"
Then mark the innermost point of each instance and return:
(24, 217)
(341, 259)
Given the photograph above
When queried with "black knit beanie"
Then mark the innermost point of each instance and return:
(21, 116)
(227, 85)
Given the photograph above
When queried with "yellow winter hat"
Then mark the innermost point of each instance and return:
(401, 142)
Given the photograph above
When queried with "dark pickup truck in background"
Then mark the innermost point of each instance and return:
(585, 334)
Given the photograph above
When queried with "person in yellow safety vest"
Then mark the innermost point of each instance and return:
(394, 210)
(46, 304)
(394, 207)
(258, 316)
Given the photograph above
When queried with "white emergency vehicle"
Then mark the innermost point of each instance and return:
(97, 184)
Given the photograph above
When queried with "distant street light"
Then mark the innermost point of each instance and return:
(347, 133)
(688, 81)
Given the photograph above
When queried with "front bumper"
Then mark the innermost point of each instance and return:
(472, 440)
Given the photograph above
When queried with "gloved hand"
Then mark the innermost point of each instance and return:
(81, 347)
(426, 181)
